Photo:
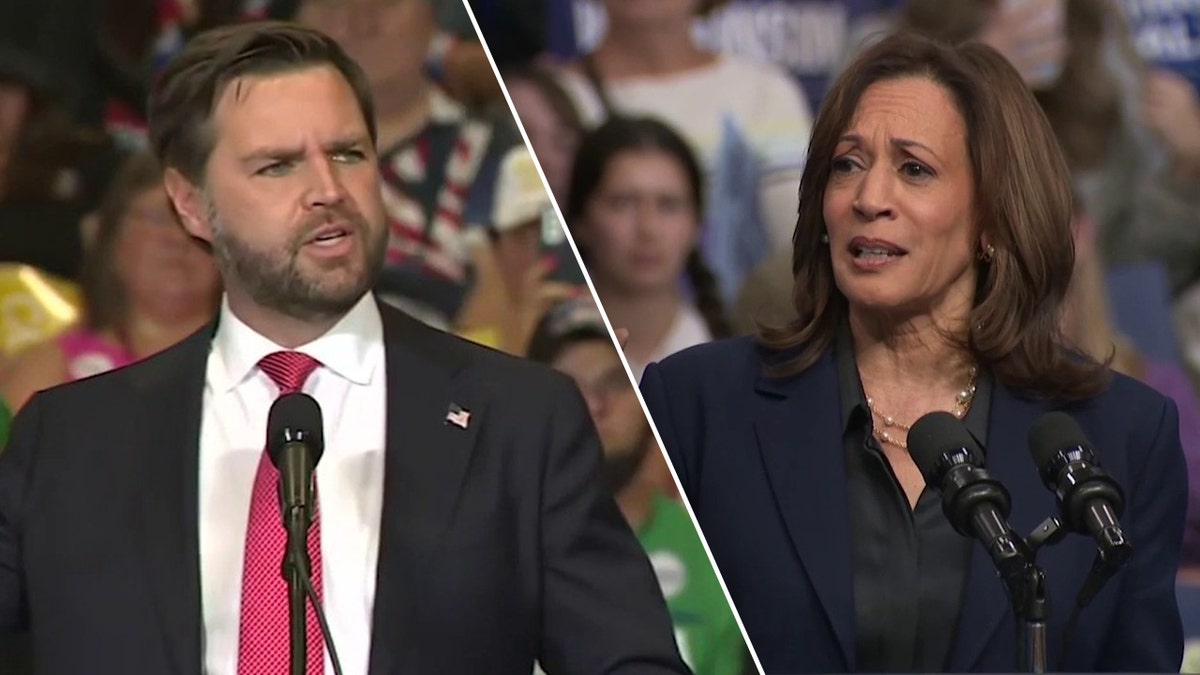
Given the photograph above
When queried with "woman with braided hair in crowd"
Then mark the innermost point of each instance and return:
(634, 210)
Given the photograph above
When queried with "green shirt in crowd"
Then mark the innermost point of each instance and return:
(708, 635)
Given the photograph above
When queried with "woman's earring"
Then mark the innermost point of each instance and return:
(988, 254)
(824, 237)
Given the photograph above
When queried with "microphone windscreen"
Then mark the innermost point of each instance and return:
(934, 435)
(1052, 433)
(295, 418)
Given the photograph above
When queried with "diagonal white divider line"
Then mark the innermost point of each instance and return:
(612, 334)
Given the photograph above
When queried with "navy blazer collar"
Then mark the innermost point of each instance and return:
(799, 433)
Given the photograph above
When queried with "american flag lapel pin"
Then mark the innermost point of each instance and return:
(457, 416)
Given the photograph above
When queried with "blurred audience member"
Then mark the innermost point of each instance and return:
(1088, 324)
(808, 38)
(1171, 108)
(456, 59)
(61, 36)
(110, 51)
(439, 164)
(634, 212)
(516, 266)
(146, 286)
(572, 339)
(1077, 57)
(102, 54)
(136, 38)
(550, 120)
(51, 171)
(748, 122)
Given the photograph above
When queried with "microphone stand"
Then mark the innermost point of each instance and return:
(295, 571)
(1027, 592)
(1026, 584)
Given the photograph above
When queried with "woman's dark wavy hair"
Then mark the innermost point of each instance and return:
(1022, 205)
(623, 134)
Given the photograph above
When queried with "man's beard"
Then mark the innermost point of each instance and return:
(619, 468)
(274, 280)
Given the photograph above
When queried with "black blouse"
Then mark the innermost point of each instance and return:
(909, 564)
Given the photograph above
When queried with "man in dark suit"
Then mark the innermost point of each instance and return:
(459, 526)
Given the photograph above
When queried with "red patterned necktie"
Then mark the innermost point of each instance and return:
(263, 632)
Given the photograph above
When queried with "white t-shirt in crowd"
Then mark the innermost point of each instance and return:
(687, 330)
(758, 99)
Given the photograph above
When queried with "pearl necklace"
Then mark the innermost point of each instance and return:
(962, 403)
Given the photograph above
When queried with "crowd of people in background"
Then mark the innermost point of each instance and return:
(672, 135)
(738, 81)
(96, 272)
(689, 123)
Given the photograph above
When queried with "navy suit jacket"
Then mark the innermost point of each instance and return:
(762, 464)
(497, 543)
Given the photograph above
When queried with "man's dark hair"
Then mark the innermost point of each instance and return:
(182, 103)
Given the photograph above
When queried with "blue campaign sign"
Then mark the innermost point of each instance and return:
(1167, 34)
(808, 38)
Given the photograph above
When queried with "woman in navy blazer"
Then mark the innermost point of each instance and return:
(931, 257)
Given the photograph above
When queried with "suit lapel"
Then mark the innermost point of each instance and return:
(985, 604)
(172, 387)
(800, 438)
(426, 460)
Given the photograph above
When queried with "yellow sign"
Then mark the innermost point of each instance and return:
(34, 306)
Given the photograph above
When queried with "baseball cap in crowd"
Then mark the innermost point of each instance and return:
(569, 322)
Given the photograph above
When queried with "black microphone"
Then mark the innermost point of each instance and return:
(295, 441)
(1089, 503)
(976, 504)
(1089, 500)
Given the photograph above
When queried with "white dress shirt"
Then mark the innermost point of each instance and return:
(350, 386)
